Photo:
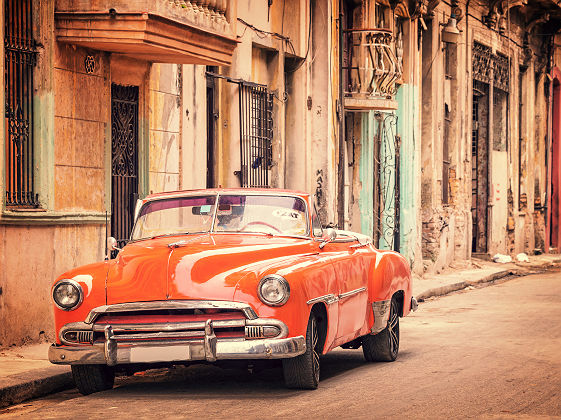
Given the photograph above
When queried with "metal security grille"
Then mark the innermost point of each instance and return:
(387, 192)
(474, 179)
(256, 134)
(19, 61)
(124, 145)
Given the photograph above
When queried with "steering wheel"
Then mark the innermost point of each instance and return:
(260, 223)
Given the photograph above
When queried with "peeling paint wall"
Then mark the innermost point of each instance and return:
(165, 90)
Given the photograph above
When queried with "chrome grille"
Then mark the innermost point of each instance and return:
(254, 332)
(85, 336)
(171, 325)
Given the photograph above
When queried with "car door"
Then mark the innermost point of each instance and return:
(351, 273)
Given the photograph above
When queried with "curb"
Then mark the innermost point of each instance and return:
(524, 270)
(15, 389)
(449, 288)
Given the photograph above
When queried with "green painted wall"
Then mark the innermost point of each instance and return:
(407, 98)
(366, 173)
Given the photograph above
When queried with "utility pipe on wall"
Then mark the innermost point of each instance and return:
(340, 113)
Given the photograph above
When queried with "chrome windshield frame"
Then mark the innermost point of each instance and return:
(217, 196)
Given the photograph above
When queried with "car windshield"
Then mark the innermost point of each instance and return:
(274, 215)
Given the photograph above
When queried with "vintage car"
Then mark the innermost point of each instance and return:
(223, 274)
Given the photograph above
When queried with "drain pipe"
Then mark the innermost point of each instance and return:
(340, 113)
(548, 147)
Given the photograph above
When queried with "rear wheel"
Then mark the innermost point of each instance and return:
(302, 372)
(93, 378)
(384, 346)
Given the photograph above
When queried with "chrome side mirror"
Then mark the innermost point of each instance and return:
(111, 245)
(329, 236)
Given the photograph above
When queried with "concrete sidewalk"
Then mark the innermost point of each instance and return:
(26, 373)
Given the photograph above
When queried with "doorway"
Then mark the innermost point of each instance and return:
(479, 166)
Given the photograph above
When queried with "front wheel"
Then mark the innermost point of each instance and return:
(384, 346)
(302, 372)
(93, 378)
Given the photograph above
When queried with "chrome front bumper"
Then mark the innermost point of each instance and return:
(210, 349)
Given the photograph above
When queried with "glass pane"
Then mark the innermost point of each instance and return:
(175, 216)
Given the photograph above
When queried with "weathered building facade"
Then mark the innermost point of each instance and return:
(91, 123)
(438, 141)
(486, 137)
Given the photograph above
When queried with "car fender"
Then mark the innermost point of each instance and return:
(389, 273)
(310, 276)
(92, 279)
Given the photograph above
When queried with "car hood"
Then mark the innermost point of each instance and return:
(203, 266)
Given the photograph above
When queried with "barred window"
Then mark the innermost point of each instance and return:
(20, 58)
(256, 132)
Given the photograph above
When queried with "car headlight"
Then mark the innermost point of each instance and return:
(67, 294)
(273, 290)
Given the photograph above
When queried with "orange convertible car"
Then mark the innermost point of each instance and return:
(212, 275)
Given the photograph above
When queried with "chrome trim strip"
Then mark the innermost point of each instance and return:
(328, 299)
(359, 245)
(73, 326)
(172, 326)
(267, 322)
(352, 292)
(163, 335)
(170, 304)
(273, 348)
(381, 312)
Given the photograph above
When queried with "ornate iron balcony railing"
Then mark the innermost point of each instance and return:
(161, 31)
(373, 63)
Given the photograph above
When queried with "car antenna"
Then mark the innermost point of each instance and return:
(106, 234)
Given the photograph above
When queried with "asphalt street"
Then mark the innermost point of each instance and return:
(493, 352)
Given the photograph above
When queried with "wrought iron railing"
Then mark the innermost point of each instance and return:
(373, 63)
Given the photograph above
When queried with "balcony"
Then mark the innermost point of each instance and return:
(372, 69)
(165, 31)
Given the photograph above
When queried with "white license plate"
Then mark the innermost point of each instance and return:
(159, 354)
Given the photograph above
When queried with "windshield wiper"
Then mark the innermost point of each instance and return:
(163, 235)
